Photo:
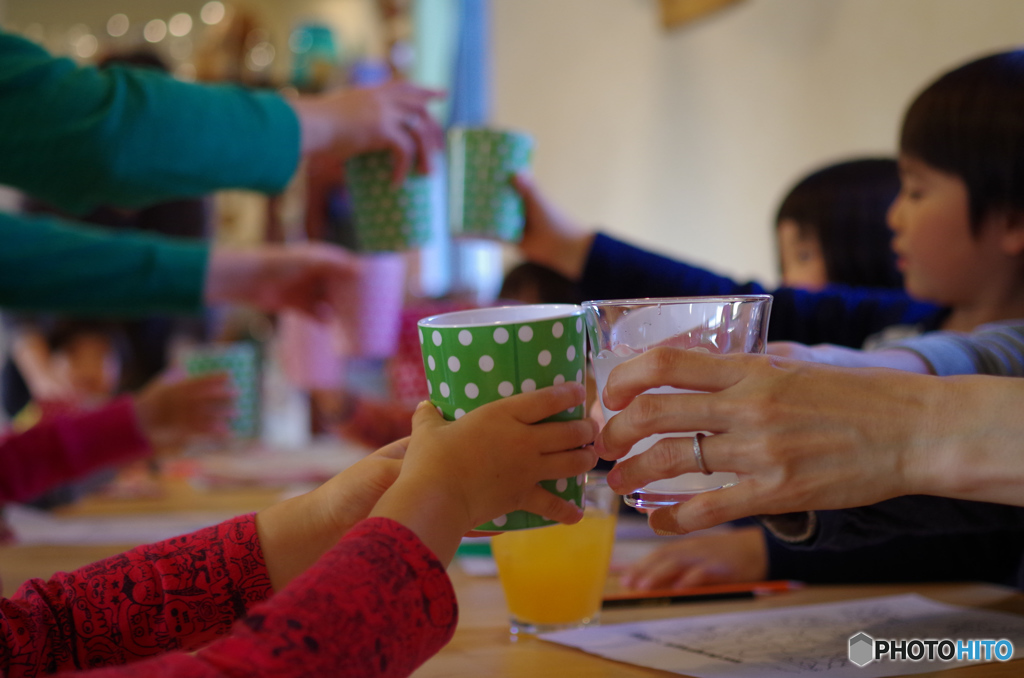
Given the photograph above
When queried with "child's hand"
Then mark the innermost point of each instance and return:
(549, 237)
(457, 475)
(715, 558)
(171, 412)
(294, 533)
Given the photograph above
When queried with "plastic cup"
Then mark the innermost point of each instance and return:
(371, 323)
(554, 577)
(388, 217)
(481, 200)
(622, 329)
(310, 352)
(471, 358)
(241, 362)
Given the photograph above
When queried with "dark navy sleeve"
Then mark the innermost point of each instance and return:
(839, 315)
(992, 557)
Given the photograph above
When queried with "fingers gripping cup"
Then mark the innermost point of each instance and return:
(622, 329)
(482, 202)
(471, 358)
(554, 577)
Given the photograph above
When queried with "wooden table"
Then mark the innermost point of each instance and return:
(482, 645)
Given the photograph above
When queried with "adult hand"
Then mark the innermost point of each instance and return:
(549, 237)
(171, 411)
(800, 436)
(460, 474)
(738, 555)
(294, 533)
(390, 117)
(315, 278)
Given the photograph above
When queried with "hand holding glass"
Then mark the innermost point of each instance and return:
(622, 329)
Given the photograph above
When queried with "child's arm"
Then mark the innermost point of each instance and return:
(549, 237)
(840, 356)
(31, 354)
(67, 447)
(177, 594)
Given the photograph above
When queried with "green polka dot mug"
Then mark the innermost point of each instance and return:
(475, 357)
(481, 200)
(388, 217)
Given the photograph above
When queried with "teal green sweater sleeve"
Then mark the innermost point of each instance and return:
(79, 137)
(48, 264)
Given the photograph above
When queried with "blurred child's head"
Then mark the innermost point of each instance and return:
(89, 355)
(831, 227)
(957, 221)
(532, 283)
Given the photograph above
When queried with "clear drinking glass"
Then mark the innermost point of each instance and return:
(623, 328)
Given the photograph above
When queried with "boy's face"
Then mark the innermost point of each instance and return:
(800, 256)
(90, 364)
(942, 261)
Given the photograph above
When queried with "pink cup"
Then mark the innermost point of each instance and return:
(311, 352)
(372, 321)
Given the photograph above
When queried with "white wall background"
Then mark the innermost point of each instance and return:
(685, 140)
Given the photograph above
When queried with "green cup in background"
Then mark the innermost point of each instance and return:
(481, 200)
(241, 362)
(475, 357)
(388, 218)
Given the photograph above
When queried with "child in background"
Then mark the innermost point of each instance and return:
(831, 227)
(55, 442)
(84, 358)
(958, 226)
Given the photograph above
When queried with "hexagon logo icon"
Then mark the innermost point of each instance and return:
(862, 649)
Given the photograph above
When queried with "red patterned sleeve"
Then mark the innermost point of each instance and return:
(68, 446)
(177, 594)
(377, 604)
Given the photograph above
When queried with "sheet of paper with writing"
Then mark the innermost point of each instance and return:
(807, 640)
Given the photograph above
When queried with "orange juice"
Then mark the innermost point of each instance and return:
(554, 576)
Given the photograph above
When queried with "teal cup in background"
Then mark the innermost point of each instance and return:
(241, 362)
(388, 218)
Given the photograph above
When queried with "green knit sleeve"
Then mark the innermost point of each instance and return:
(79, 137)
(48, 264)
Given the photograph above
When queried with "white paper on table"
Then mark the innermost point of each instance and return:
(806, 640)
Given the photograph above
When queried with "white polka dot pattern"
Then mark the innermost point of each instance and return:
(388, 218)
(486, 159)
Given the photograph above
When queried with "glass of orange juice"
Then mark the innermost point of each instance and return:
(554, 576)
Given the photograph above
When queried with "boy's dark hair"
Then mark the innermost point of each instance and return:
(844, 207)
(539, 284)
(970, 123)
